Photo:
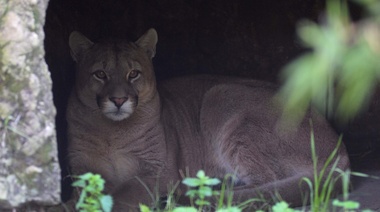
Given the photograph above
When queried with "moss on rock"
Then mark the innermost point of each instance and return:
(29, 170)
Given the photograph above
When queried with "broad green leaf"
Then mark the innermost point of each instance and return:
(191, 182)
(191, 193)
(90, 189)
(91, 201)
(79, 183)
(212, 181)
(281, 207)
(202, 202)
(229, 209)
(215, 193)
(346, 204)
(86, 176)
(185, 209)
(201, 174)
(310, 33)
(205, 191)
(106, 202)
(144, 208)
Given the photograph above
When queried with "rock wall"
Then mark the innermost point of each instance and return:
(29, 170)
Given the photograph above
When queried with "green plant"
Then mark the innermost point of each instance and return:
(201, 187)
(282, 207)
(321, 191)
(91, 198)
(325, 179)
(226, 203)
(339, 73)
(345, 203)
(338, 76)
(322, 187)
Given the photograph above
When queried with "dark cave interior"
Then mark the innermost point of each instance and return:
(252, 39)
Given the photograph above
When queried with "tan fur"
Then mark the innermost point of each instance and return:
(218, 124)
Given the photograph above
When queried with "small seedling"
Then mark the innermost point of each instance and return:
(91, 198)
(283, 207)
(346, 205)
(201, 188)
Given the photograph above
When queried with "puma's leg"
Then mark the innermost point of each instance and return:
(264, 167)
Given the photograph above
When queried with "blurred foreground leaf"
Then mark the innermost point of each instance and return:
(341, 71)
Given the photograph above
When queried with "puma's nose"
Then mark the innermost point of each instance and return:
(118, 101)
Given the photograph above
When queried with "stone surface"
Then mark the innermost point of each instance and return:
(29, 170)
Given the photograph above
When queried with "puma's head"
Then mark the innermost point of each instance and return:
(114, 76)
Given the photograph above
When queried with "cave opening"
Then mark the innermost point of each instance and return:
(252, 39)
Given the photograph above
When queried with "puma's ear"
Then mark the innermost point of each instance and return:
(78, 44)
(148, 41)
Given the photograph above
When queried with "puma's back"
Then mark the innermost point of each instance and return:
(138, 135)
(229, 124)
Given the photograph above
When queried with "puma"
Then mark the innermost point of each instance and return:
(135, 133)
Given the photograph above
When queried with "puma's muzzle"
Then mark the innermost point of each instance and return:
(117, 108)
(118, 101)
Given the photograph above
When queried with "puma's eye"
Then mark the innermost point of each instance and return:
(100, 74)
(133, 74)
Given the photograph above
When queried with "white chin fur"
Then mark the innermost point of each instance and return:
(115, 114)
